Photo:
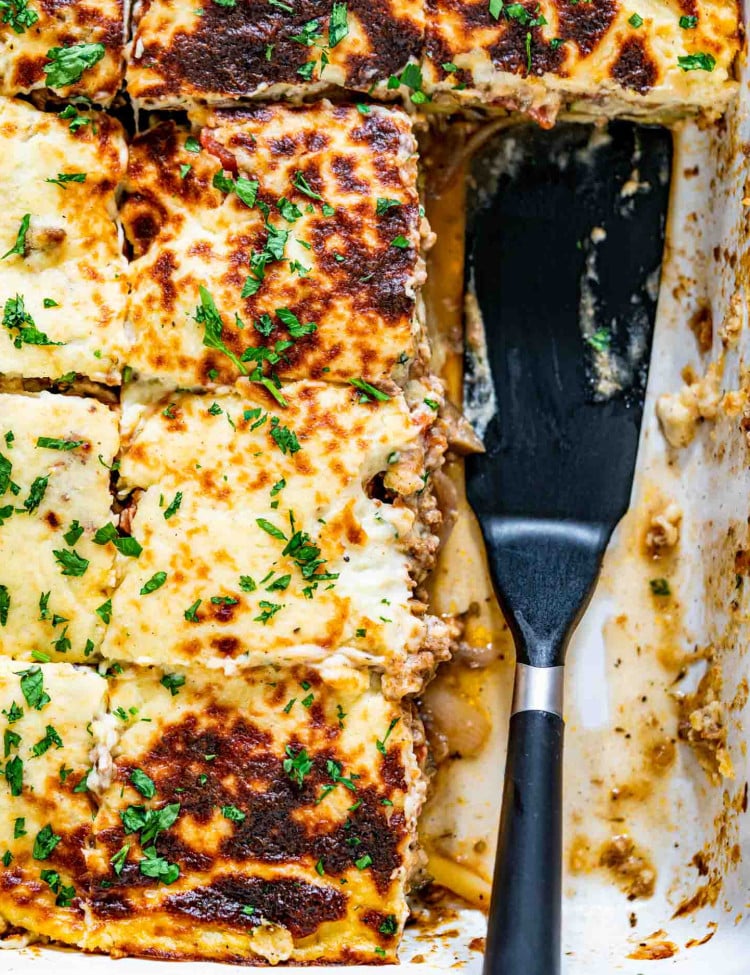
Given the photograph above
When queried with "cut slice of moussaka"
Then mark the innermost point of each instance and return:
(276, 240)
(63, 285)
(218, 52)
(74, 48)
(55, 454)
(267, 817)
(659, 59)
(276, 533)
(48, 714)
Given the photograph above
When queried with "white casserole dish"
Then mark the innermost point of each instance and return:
(707, 261)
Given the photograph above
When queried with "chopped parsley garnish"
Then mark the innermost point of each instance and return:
(156, 581)
(288, 210)
(32, 688)
(4, 605)
(51, 737)
(118, 860)
(14, 775)
(301, 182)
(173, 682)
(285, 439)
(410, 77)
(660, 587)
(15, 317)
(381, 744)
(192, 144)
(298, 765)
(688, 22)
(149, 822)
(74, 120)
(174, 506)
(207, 315)
(338, 24)
(11, 740)
(384, 204)
(105, 611)
(334, 771)
(45, 842)
(73, 533)
(272, 530)
(185, 169)
(52, 443)
(248, 584)
(389, 925)
(18, 15)
(191, 614)
(36, 493)
(368, 391)
(635, 20)
(125, 544)
(268, 610)
(19, 828)
(143, 783)
(232, 812)
(20, 245)
(152, 865)
(13, 714)
(699, 61)
(273, 251)
(67, 64)
(600, 340)
(363, 862)
(62, 179)
(293, 324)
(71, 563)
(401, 242)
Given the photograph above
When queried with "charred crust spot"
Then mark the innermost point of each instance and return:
(634, 67)
(392, 770)
(230, 646)
(296, 905)
(52, 520)
(164, 268)
(586, 23)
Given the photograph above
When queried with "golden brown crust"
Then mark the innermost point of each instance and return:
(255, 48)
(319, 173)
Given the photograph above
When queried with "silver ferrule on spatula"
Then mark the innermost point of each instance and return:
(538, 689)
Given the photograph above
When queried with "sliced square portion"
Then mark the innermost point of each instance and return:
(660, 59)
(55, 454)
(220, 51)
(267, 817)
(286, 241)
(48, 716)
(62, 275)
(273, 533)
(72, 47)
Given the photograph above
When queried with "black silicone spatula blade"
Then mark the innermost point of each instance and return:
(564, 245)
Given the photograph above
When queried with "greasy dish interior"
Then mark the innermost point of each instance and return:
(231, 440)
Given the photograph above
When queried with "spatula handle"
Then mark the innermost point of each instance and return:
(523, 936)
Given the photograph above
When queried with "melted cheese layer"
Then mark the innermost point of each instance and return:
(70, 272)
(49, 803)
(345, 266)
(291, 828)
(225, 484)
(49, 606)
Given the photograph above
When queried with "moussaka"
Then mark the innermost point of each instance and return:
(63, 282)
(49, 714)
(264, 818)
(55, 568)
(275, 241)
(277, 525)
(71, 49)
(218, 52)
(656, 59)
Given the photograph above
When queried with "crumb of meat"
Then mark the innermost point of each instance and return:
(419, 667)
(680, 413)
(629, 866)
(702, 326)
(663, 531)
(702, 725)
(732, 325)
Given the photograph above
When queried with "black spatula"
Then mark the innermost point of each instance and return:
(568, 316)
